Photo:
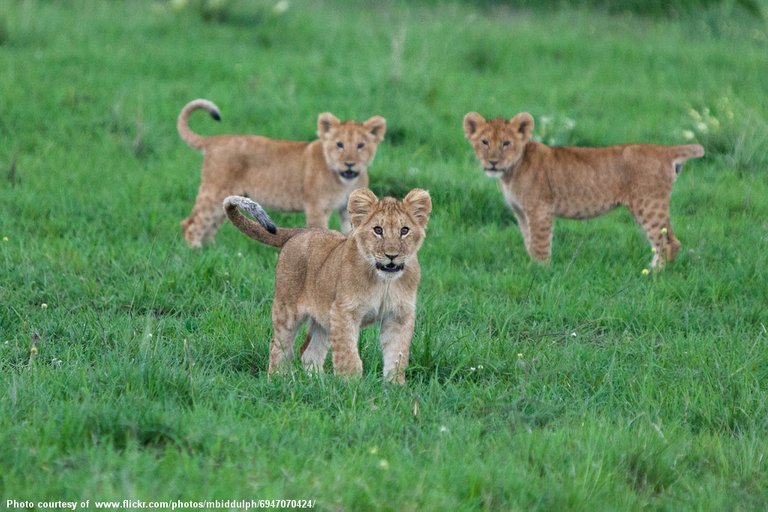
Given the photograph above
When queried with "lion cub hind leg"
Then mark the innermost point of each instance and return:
(653, 216)
(285, 324)
(315, 349)
(206, 218)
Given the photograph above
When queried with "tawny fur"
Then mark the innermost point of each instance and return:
(341, 283)
(540, 182)
(314, 177)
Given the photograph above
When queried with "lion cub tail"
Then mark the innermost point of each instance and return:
(682, 153)
(689, 151)
(192, 139)
(264, 230)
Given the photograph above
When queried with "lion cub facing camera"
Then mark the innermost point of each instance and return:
(541, 182)
(314, 177)
(344, 282)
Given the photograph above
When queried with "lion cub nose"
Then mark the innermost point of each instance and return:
(349, 165)
(391, 256)
(493, 162)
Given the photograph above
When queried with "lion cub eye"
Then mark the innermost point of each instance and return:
(360, 145)
(506, 143)
(485, 142)
(378, 230)
(340, 145)
(404, 231)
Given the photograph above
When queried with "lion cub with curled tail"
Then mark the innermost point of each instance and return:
(314, 177)
(344, 282)
(540, 182)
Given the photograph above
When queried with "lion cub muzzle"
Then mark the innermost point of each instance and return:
(493, 167)
(349, 174)
(391, 267)
(494, 172)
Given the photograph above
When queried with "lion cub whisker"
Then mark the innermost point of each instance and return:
(336, 281)
(540, 182)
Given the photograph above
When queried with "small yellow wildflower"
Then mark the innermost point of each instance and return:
(520, 355)
(5, 239)
(646, 271)
(384, 464)
(33, 350)
(44, 306)
(663, 231)
(373, 450)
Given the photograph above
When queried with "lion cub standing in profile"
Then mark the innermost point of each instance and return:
(315, 177)
(342, 283)
(540, 182)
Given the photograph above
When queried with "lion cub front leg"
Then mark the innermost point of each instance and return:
(396, 334)
(316, 213)
(344, 219)
(525, 229)
(344, 335)
(540, 222)
(317, 219)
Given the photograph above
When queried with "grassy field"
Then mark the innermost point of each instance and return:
(582, 385)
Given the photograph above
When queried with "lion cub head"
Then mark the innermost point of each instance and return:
(499, 144)
(388, 232)
(349, 147)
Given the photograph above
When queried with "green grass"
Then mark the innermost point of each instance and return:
(583, 385)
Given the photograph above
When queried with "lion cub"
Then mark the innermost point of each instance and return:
(344, 282)
(315, 177)
(541, 182)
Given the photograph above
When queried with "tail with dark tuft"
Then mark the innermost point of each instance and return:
(689, 151)
(264, 229)
(680, 154)
(192, 139)
(254, 208)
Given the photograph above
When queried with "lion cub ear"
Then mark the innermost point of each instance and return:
(326, 123)
(522, 123)
(377, 127)
(472, 122)
(418, 204)
(360, 204)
